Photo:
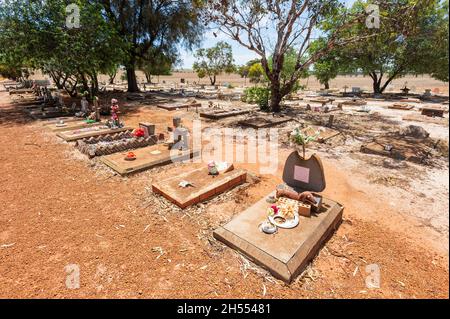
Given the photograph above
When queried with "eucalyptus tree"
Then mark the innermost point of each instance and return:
(273, 28)
(35, 34)
(412, 39)
(214, 61)
(158, 25)
(156, 63)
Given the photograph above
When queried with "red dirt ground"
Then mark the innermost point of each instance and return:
(57, 210)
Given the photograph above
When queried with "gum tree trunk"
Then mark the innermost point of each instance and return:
(131, 78)
(275, 97)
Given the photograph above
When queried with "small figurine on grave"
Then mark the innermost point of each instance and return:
(115, 122)
(84, 106)
(96, 109)
(212, 168)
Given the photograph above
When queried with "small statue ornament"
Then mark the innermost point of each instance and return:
(96, 109)
(84, 106)
(115, 122)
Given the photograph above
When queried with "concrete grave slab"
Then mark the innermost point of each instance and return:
(402, 148)
(426, 119)
(56, 127)
(66, 119)
(204, 186)
(176, 106)
(433, 111)
(411, 100)
(321, 100)
(25, 103)
(354, 102)
(262, 122)
(34, 107)
(401, 106)
(287, 252)
(76, 134)
(49, 115)
(220, 114)
(21, 91)
(146, 157)
(325, 133)
(46, 110)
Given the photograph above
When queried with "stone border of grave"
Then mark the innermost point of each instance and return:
(173, 107)
(267, 122)
(69, 136)
(92, 147)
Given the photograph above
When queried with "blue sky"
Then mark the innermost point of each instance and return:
(241, 55)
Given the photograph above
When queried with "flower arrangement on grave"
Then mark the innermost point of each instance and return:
(272, 210)
(302, 139)
(139, 132)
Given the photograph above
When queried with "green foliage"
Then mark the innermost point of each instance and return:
(33, 34)
(156, 63)
(406, 43)
(10, 72)
(214, 61)
(288, 70)
(326, 67)
(258, 95)
(244, 70)
(435, 45)
(302, 139)
(256, 73)
(201, 73)
(279, 32)
(112, 73)
(153, 25)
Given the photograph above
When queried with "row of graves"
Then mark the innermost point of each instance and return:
(410, 142)
(295, 213)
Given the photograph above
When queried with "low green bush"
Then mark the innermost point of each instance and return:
(258, 95)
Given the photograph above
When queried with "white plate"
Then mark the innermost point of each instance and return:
(289, 223)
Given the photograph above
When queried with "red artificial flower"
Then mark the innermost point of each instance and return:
(275, 209)
(139, 132)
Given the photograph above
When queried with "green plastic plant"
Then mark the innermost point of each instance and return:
(300, 138)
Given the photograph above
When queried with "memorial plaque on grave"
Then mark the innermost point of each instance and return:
(148, 128)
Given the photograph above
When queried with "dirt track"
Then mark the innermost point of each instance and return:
(58, 209)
